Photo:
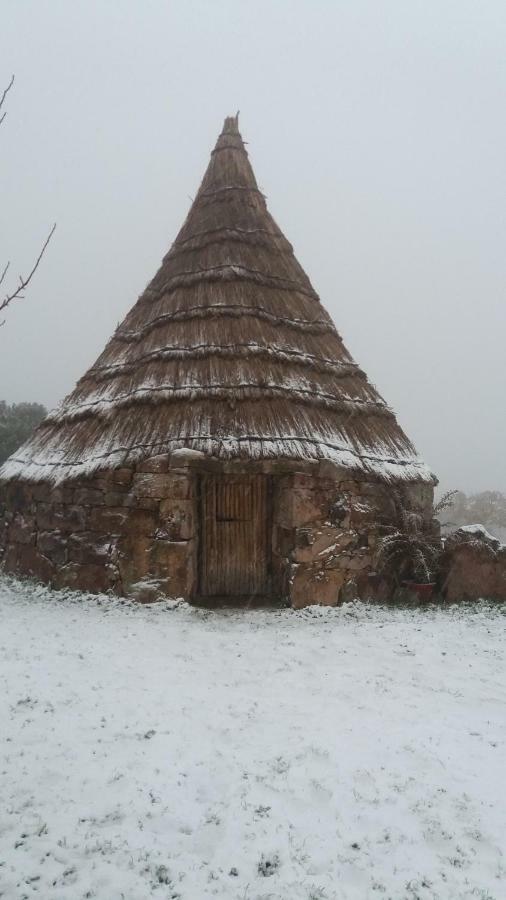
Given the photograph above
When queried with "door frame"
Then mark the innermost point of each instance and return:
(226, 598)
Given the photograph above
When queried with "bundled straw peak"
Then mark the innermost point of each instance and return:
(228, 351)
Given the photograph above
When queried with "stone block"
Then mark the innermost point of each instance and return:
(155, 464)
(122, 476)
(161, 487)
(357, 560)
(362, 512)
(53, 544)
(10, 559)
(283, 540)
(283, 503)
(119, 498)
(313, 586)
(141, 522)
(134, 559)
(43, 493)
(22, 530)
(49, 517)
(108, 519)
(176, 519)
(18, 496)
(473, 570)
(318, 544)
(75, 518)
(307, 507)
(348, 486)
(151, 485)
(338, 510)
(31, 562)
(148, 503)
(173, 561)
(419, 495)
(57, 517)
(87, 496)
(149, 590)
(185, 456)
(303, 480)
(96, 579)
(88, 548)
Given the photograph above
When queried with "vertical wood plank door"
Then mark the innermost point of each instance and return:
(235, 537)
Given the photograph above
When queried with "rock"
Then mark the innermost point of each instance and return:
(468, 534)
(22, 530)
(152, 485)
(315, 586)
(283, 503)
(108, 519)
(186, 454)
(96, 579)
(53, 545)
(176, 519)
(158, 464)
(362, 513)
(49, 517)
(141, 522)
(121, 476)
(473, 566)
(318, 544)
(88, 497)
(149, 590)
(86, 548)
(134, 560)
(306, 507)
(173, 562)
(18, 496)
(75, 518)
(26, 560)
(119, 498)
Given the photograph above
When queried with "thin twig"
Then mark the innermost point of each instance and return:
(2, 99)
(24, 281)
(4, 273)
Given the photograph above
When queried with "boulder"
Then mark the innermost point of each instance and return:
(315, 586)
(473, 566)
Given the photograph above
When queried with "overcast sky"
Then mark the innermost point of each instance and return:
(376, 128)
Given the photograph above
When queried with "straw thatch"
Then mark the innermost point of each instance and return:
(228, 351)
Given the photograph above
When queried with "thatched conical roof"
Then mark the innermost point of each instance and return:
(228, 351)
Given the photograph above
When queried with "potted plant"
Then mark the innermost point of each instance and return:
(410, 545)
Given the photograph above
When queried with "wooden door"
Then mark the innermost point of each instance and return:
(235, 536)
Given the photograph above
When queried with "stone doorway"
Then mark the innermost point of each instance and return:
(235, 537)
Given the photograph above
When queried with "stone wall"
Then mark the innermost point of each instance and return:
(326, 536)
(126, 531)
(473, 566)
(134, 532)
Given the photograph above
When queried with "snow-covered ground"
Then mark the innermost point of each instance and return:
(178, 753)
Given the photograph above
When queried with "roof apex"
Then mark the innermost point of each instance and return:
(231, 125)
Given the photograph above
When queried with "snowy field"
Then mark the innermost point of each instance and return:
(266, 755)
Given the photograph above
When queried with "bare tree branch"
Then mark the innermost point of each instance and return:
(2, 99)
(24, 281)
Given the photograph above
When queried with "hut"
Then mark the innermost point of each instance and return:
(225, 444)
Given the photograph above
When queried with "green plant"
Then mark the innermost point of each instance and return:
(410, 545)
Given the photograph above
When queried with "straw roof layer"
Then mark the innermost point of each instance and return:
(228, 351)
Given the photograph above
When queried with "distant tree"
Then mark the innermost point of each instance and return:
(17, 422)
(487, 508)
(24, 280)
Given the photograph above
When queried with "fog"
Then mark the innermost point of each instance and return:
(376, 130)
